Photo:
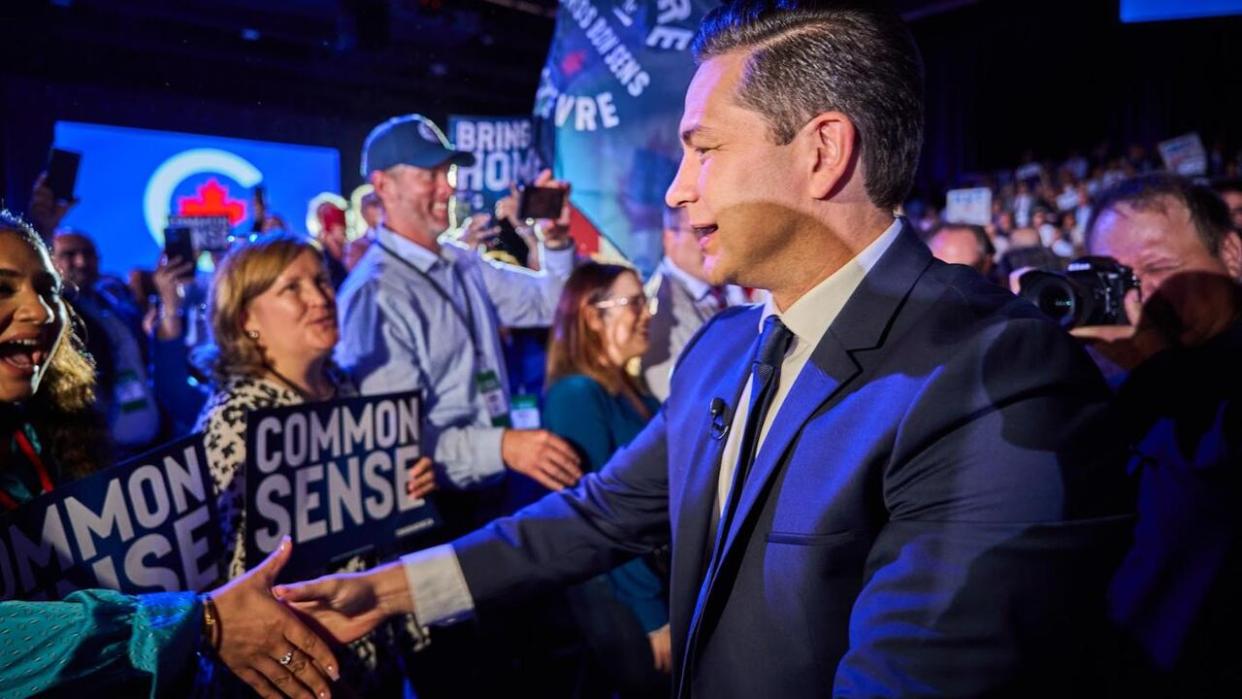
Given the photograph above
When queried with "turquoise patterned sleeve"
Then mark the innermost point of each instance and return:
(97, 636)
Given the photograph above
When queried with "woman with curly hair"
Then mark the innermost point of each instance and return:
(101, 639)
(274, 326)
(47, 382)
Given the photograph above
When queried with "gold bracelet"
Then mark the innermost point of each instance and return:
(211, 623)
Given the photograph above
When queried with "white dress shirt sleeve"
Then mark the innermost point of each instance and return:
(437, 586)
(525, 298)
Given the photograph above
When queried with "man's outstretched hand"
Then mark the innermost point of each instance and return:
(347, 606)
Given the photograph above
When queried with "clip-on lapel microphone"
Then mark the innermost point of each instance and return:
(720, 418)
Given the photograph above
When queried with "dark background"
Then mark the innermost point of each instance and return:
(1004, 76)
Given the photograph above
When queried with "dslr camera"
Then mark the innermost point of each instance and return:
(1090, 292)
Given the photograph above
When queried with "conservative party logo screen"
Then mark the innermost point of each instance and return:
(132, 180)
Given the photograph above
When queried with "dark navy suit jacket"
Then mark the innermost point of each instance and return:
(933, 512)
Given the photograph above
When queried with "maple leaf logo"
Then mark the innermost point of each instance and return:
(212, 200)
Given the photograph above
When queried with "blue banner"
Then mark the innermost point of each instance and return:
(333, 476)
(147, 525)
(131, 180)
(607, 109)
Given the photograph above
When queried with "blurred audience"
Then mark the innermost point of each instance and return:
(116, 341)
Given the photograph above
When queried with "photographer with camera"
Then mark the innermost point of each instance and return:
(1181, 406)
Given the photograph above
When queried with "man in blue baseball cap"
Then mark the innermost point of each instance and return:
(421, 313)
(412, 139)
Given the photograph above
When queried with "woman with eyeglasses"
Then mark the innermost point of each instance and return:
(596, 404)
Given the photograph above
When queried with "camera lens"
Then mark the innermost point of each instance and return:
(1056, 302)
(1053, 295)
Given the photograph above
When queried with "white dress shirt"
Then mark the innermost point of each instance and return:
(808, 319)
(435, 578)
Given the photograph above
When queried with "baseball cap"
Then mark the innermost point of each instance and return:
(412, 139)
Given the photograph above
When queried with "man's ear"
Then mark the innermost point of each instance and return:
(378, 182)
(1231, 254)
(829, 143)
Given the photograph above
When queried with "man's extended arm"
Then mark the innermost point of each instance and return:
(610, 517)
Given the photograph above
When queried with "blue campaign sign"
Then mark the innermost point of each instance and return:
(504, 154)
(131, 180)
(333, 476)
(607, 109)
(147, 525)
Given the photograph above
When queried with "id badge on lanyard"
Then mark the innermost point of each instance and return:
(488, 384)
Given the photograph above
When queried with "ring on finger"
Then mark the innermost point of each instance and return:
(286, 658)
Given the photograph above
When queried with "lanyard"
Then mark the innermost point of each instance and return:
(467, 318)
(45, 481)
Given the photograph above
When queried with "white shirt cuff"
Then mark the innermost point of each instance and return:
(437, 586)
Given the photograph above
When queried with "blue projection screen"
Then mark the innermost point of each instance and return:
(1156, 10)
(131, 180)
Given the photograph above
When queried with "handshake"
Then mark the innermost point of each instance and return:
(272, 638)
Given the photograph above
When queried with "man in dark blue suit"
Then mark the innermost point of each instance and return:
(877, 484)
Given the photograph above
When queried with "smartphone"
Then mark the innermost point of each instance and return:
(259, 214)
(541, 202)
(62, 173)
(179, 243)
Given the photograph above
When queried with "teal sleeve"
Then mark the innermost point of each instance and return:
(576, 408)
(97, 637)
(638, 587)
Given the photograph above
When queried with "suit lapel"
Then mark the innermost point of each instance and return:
(826, 377)
(829, 369)
(735, 339)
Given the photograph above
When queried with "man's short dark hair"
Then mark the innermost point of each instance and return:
(1152, 192)
(809, 57)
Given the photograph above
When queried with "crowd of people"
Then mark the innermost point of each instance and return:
(946, 506)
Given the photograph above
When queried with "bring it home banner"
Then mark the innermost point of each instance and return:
(607, 108)
(503, 155)
(147, 525)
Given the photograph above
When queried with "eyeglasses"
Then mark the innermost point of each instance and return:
(637, 302)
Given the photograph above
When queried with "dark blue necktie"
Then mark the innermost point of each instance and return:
(765, 373)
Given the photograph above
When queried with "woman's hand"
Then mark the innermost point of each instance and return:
(421, 478)
(264, 642)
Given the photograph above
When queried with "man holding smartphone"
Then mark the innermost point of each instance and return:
(420, 313)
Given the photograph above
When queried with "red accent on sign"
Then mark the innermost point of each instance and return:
(212, 200)
(583, 231)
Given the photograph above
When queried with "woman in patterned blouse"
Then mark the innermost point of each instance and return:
(274, 326)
